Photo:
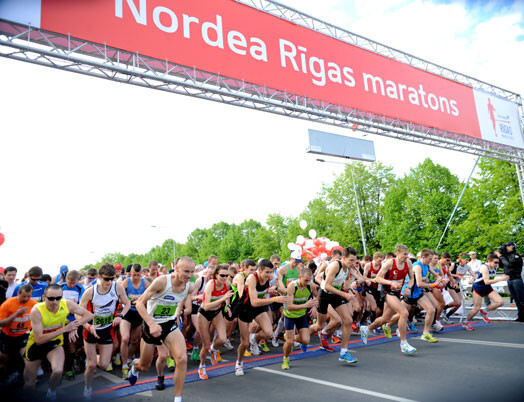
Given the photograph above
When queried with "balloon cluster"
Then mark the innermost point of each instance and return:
(2, 238)
(313, 248)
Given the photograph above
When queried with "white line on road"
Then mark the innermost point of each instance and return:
(487, 343)
(334, 385)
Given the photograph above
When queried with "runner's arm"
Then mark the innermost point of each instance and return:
(382, 272)
(238, 280)
(86, 297)
(81, 314)
(332, 271)
(123, 299)
(253, 296)
(486, 278)
(38, 329)
(157, 286)
(188, 301)
(281, 287)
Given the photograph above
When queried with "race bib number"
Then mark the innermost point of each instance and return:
(164, 311)
(103, 320)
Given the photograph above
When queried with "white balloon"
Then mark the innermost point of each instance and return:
(313, 233)
(300, 239)
(309, 243)
(291, 246)
(323, 256)
(303, 224)
(329, 245)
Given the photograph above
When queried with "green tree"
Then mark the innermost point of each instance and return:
(491, 210)
(418, 206)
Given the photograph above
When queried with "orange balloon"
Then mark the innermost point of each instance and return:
(2, 238)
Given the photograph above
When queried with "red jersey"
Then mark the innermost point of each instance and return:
(216, 294)
(372, 274)
(397, 275)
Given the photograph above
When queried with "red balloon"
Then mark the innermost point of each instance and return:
(318, 242)
(2, 238)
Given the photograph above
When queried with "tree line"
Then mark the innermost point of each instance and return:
(412, 210)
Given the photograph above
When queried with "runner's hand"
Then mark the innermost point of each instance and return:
(20, 311)
(504, 278)
(284, 299)
(72, 326)
(92, 331)
(228, 295)
(407, 292)
(155, 330)
(348, 296)
(396, 285)
(272, 290)
(73, 335)
(311, 303)
(115, 322)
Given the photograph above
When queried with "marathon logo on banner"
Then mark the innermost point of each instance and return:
(238, 41)
(498, 119)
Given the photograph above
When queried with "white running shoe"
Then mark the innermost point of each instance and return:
(437, 327)
(239, 369)
(274, 342)
(228, 345)
(253, 347)
(40, 372)
(87, 393)
(397, 333)
(407, 349)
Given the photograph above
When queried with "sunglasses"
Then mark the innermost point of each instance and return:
(108, 279)
(91, 277)
(50, 298)
(223, 275)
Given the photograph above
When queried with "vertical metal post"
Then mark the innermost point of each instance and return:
(358, 210)
(458, 202)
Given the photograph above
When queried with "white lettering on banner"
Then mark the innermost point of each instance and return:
(294, 56)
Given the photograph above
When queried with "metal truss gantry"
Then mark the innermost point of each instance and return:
(37, 46)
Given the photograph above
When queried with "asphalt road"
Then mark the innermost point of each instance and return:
(484, 365)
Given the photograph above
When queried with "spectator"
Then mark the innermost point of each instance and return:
(512, 263)
(10, 277)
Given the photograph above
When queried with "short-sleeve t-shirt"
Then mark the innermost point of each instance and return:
(21, 324)
(38, 290)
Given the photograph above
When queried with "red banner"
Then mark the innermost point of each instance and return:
(238, 41)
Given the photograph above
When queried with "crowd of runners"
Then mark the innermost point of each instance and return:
(74, 322)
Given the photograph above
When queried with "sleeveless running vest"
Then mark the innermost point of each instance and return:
(372, 274)
(261, 291)
(200, 290)
(162, 306)
(132, 291)
(104, 306)
(51, 322)
(299, 297)
(492, 273)
(339, 278)
(216, 294)
(290, 276)
(396, 275)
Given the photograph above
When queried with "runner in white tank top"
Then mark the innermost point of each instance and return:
(166, 299)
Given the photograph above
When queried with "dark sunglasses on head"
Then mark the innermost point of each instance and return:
(108, 279)
(51, 298)
(223, 275)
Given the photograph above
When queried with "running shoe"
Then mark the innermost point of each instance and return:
(346, 357)
(377, 331)
(195, 355)
(202, 373)
(428, 337)
(336, 339)
(412, 328)
(354, 328)
(109, 367)
(407, 348)
(397, 332)
(87, 393)
(387, 331)
(364, 332)
(69, 375)
(133, 375)
(274, 342)
(125, 372)
(255, 351)
(436, 327)
(247, 353)
(51, 395)
(160, 383)
(296, 345)
(189, 346)
(170, 363)
(239, 369)
(213, 356)
(285, 363)
(445, 319)
(228, 345)
(324, 344)
(117, 361)
(303, 347)
(484, 315)
(263, 345)
(219, 358)
(467, 327)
